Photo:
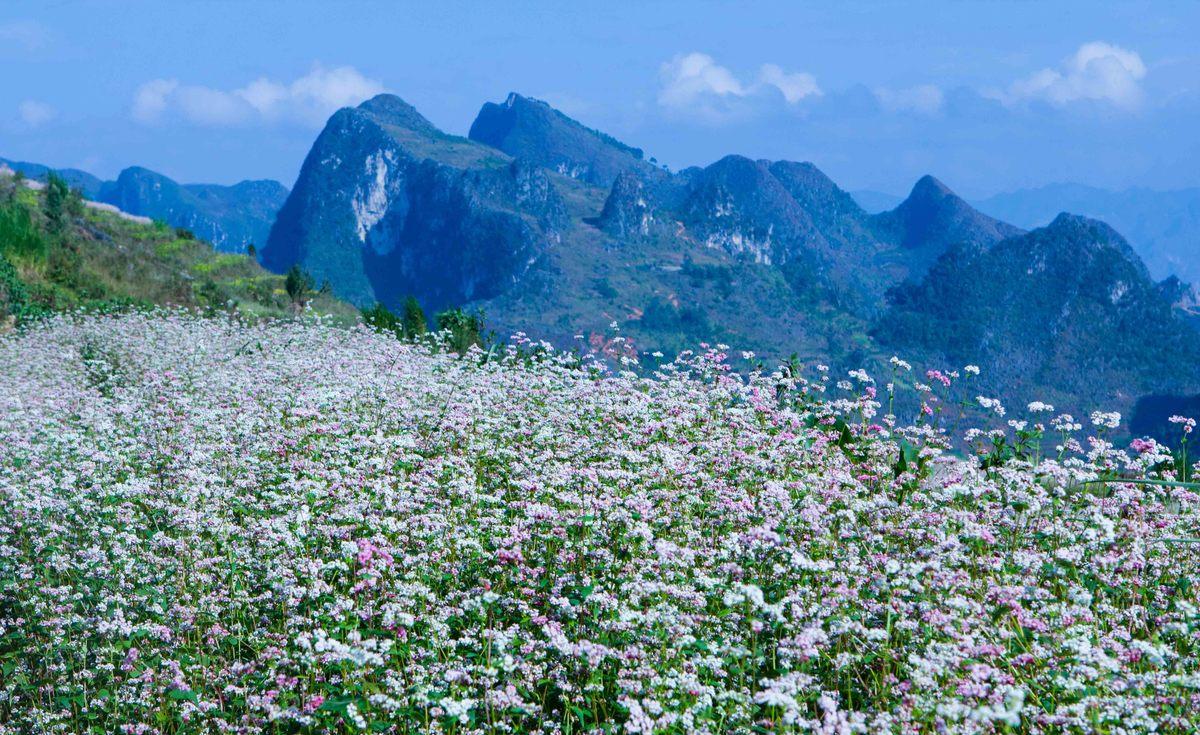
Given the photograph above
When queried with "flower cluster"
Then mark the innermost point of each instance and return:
(208, 526)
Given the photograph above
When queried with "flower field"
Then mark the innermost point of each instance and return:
(214, 527)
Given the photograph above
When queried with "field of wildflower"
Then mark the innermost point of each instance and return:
(216, 527)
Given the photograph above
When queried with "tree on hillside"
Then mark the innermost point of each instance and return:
(57, 203)
(413, 321)
(381, 319)
(298, 284)
(465, 328)
(410, 325)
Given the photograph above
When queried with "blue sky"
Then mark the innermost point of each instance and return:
(987, 96)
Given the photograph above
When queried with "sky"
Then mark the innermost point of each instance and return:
(989, 97)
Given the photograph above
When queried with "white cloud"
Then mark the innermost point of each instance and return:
(923, 99)
(696, 83)
(29, 35)
(1097, 71)
(309, 99)
(795, 86)
(34, 114)
(150, 100)
(688, 79)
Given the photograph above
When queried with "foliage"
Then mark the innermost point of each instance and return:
(298, 284)
(464, 329)
(99, 261)
(409, 326)
(20, 237)
(414, 322)
(61, 202)
(215, 526)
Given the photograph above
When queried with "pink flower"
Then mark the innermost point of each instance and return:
(1141, 446)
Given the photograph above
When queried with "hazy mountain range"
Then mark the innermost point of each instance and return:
(230, 217)
(558, 230)
(1162, 226)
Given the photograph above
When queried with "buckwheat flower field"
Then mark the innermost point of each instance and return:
(213, 527)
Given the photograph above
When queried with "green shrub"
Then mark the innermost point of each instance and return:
(298, 284)
(410, 325)
(414, 322)
(14, 297)
(465, 329)
(19, 236)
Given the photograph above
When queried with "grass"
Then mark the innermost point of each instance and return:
(102, 261)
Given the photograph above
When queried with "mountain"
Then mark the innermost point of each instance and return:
(532, 225)
(1065, 313)
(933, 218)
(387, 205)
(230, 217)
(527, 128)
(82, 180)
(1163, 226)
(557, 230)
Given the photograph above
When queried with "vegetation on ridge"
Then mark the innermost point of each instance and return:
(56, 254)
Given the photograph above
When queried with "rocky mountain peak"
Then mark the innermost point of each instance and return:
(530, 128)
(628, 212)
(388, 109)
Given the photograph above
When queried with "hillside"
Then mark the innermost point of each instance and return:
(1163, 226)
(232, 218)
(96, 259)
(1066, 313)
(88, 184)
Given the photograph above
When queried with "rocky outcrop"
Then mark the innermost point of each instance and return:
(388, 206)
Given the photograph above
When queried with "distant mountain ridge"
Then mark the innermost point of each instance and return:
(524, 127)
(82, 180)
(1163, 226)
(230, 217)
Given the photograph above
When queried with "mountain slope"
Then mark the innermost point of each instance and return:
(1066, 313)
(1163, 226)
(387, 205)
(932, 219)
(230, 217)
(531, 129)
(82, 180)
(98, 259)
